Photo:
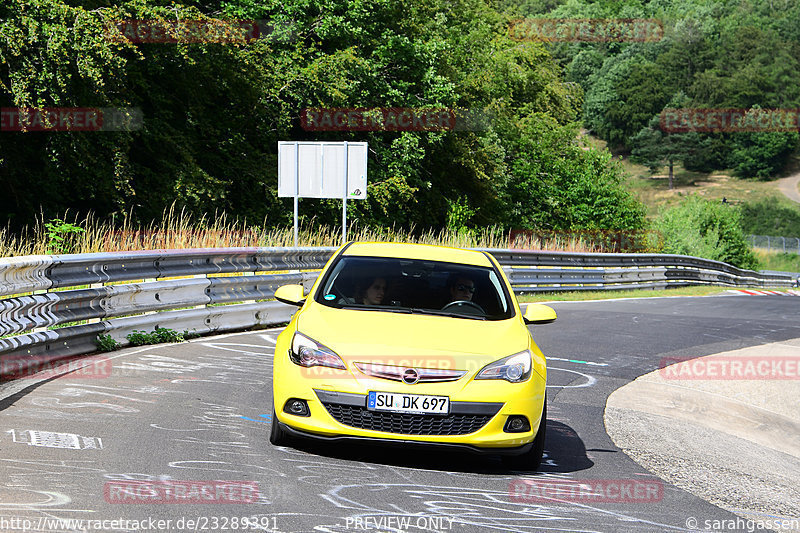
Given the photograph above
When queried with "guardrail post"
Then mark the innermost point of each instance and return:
(94, 286)
(248, 274)
(149, 280)
(43, 328)
(201, 276)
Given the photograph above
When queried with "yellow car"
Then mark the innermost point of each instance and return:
(410, 343)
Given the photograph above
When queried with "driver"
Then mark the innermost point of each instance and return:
(372, 293)
(461, 288)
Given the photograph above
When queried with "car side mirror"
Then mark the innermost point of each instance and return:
(539, 314)
(290, 294)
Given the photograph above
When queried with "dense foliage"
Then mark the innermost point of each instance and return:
(771, 217)
(707, 229)
(724, 54)
(213, 113)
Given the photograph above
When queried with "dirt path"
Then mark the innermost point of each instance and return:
(788, 186)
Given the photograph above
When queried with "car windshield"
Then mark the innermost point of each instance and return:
(416, 286)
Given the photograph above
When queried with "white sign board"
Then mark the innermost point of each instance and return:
(322, 170)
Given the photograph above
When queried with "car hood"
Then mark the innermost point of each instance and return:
(392, 338)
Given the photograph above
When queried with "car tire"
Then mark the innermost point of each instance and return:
(530, 460)
(277, 435)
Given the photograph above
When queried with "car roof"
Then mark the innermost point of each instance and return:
(427, 252)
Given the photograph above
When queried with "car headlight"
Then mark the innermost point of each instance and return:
(308, 352)
(514, 368)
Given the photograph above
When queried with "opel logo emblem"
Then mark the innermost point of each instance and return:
(410, 376)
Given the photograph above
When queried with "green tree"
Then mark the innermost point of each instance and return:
(706, 229)
(720, 54)
(624, 97)
(761, 154)
(213, 112)
(583, 66)
(560, 185)
(654, 148)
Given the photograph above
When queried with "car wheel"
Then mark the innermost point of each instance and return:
(277, 435)
(531, 459)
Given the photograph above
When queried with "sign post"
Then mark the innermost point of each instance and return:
(322, 170)
(296, 188)
(344, 201)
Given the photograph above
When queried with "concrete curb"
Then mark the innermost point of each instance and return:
(732, 442)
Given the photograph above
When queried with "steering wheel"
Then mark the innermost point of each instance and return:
(466, 305)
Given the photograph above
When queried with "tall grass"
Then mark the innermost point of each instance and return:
(179, 230)
(777, 261)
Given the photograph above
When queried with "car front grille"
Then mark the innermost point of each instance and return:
(406, 424)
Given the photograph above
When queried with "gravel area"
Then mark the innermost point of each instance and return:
(678, 434)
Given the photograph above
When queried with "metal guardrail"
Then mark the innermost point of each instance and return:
(216, 290)
(536, 271)
(787, 245)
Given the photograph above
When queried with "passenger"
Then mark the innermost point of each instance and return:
(373, 293)
(461, 288)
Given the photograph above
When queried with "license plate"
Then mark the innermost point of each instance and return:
(408, 403)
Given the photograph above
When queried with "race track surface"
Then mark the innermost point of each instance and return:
(199, 411)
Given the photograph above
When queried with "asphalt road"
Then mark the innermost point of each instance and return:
(199, 411)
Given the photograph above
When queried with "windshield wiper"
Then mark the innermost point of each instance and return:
(410, 310)
(437, 312)
(405, 310)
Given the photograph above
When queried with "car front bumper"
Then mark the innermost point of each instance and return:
(405, 444)
(476, 426)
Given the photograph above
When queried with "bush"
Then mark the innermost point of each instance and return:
(559, 184)
(61, 236)
(761, 155)
(159, 335)
(140, 338)
(771, 216)
(105, 343)
(167, 335)
(706, 229)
